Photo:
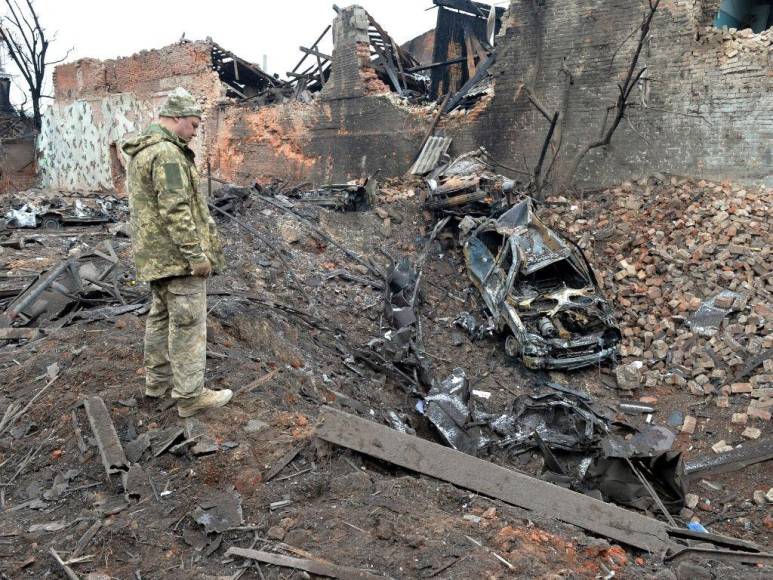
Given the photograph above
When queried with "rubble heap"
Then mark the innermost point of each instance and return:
(735, 42)
(663, 248)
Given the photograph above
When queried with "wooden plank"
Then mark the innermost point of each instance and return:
(469, 472)
(110, 449)
(312, 566)
(436, 64)
(316, 43)
(472, 8)
(390, 71)
(399, 64)
(20, 333)
(282, 463)
(316, 53)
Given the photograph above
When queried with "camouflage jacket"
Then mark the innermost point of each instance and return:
(170, 222)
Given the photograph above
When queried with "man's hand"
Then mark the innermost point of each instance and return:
(201, 269)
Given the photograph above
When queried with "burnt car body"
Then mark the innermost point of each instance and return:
(541, 291)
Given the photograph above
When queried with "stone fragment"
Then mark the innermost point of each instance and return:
(758, 413)
(759, 497)
(276, 533)
(751, 433)
(689, 424)
(660, 348)
(691, 500)
(737, 388)
(739, 418)
(629, 376)
(255, 425)
(721, 447)
(290, 232)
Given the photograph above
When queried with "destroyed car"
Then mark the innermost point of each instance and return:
(53, 214)
(541, 291)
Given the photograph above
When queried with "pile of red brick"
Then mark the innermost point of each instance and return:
(663, 246)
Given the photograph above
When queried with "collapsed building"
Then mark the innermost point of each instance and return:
(701, 107)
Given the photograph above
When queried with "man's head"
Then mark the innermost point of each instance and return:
(181, 114)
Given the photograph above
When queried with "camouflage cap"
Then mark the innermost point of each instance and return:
(180, 103)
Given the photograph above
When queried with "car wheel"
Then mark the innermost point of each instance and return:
(51, 223)
(512, 346)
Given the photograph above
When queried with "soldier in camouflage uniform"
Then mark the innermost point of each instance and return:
(176, 247)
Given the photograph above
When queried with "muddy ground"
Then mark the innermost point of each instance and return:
(284, 347)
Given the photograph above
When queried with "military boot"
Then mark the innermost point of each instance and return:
(156, 391)
(208, 399)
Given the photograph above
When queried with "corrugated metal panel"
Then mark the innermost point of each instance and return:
(430, 155)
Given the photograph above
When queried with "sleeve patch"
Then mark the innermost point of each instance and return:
(173, 175)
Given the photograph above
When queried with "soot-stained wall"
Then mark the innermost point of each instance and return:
(704, 107)
(354, 128)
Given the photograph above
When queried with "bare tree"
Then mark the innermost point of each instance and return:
(631, 80)
(27, 44)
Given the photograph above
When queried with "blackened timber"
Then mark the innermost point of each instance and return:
(314, 46)
(436, 64)
(400, 53)
(389, 69)
(479, 74)
(316, 53)
(473, 8)
(492, 480)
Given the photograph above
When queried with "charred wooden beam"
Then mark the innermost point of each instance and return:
(468, 7)
(316, 53)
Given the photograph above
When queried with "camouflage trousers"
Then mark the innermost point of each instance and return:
(176, 336)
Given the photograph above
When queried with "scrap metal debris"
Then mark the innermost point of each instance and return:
(41, 209)
(541, 292)
(468, 186)
(485, 477)
(732, 460)
(577, 437)
(708, 318)
(447, 408)
(220, 511)
(78, 287)
(401, 344)
(356, 195)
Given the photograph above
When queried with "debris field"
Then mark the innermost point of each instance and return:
(117, 484)
(453, 354)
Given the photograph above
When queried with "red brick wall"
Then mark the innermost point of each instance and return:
(12, 182)
(144, 73)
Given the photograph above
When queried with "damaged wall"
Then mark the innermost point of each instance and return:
(704, 108)
(354, 128)
(17, 164)
(99, 103)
